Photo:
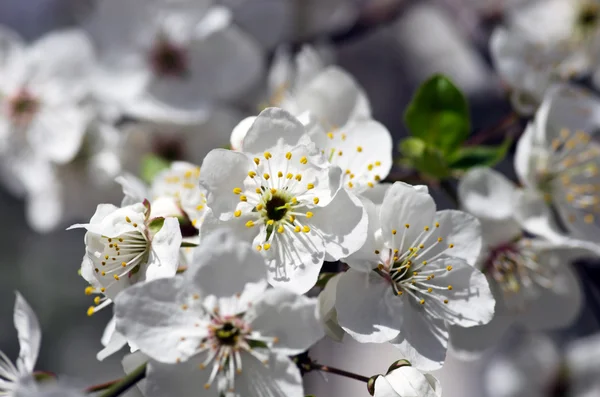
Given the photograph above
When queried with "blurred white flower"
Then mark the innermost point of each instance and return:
(13, 379)
(284, 197)
(336, 113)
(406, 381)
(208, 333)
(546, 41)
(533, 366)
(414, 277)
(170, 61)
(531, 278)
(557, 160)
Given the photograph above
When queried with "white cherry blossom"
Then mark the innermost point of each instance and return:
(413, 277)
(14, 378)
(170, 62)
(557, 161)
(285, 198)
(208, 333)
(406, 381)
(530, 277)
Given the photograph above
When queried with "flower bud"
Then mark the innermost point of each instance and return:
(398, 364)
(371, 384)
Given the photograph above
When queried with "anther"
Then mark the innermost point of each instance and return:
(288, 155)
(251, 174)
(309, 214)
(237, 190)
(256, 161)
(249, 223)
(359, 149)
(303, 160)
(448, 267)
(394, 231)
(422, 301)
(267, 155)
(449, 288)
(310, 186)
(237, 213)
(316, 200)
(266, 246)
(90, 310)
(266, 176)
(306, 229)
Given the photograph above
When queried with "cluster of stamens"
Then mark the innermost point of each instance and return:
(22, 108)
(168, 59)
(568, 177)
(277, 198)
(121, 256)
(407, 269)
(229, 336)
(184, 184)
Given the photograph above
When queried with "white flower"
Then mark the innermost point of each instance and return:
(209, 333)
(166, 62)
(557, 161)
(41, 89)
(531, 278)
(281, 195)
(545, 41)
(407, 381)
(328, 312)
(413, 277)
(12, 378)
(336, 113)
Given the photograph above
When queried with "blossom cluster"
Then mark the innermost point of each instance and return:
(248, 236)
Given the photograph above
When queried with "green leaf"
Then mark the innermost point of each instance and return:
(156, 224)
(324, 279)
(254, 344)
(152, 165)
(427, 160)
(479, 156)
(439, 114)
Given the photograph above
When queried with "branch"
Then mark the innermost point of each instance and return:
(126, 383)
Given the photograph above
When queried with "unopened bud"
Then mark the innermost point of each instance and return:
(371, 384)
(398, 364)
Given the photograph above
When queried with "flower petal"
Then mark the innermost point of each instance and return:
(409, 381)
(292, 318)
(239, 133)
(367, 308)
(222, 171)
(272, 127)
(535, 216)
(223, 265)
(134, 189)
(365, 258)
(423, 339)
(525, 156)
(152, 315)
(182, 379)
(164, 256)
(280, 378)
(343, 224)
(29, 333)
(462, 231)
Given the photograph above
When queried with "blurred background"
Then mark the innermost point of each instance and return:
(390, 47)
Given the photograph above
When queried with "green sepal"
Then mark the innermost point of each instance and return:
(187, 244)
(151, 165)
(156, 224)
(257, 344)
(425, 159)
(324, 279)
(398, 364)
(479, 156)
(439, 114)
(42, 376)
(371, 384)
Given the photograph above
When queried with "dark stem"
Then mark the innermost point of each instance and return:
(447, 187)
(126, 383)
(325, 368)
(101, 386)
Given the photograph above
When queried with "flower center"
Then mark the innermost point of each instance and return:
(23, 107)
(168, 59)
(276, 207)
(588, 16)
(228, 334)
(568, 177)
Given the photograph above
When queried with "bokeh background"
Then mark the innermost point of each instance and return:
(394, 46)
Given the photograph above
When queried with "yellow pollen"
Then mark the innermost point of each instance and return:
(102, 289)
(446, 301)
(259, 207)
(90, 310)
(394, 231)
(429, 289)
(424, 263)
(97, 300)
(310, 186)
(448, 267)
(370, 167)
(124, 264)
(237, 213)
(258, 191)
(440, 239)
(377, 178)
(259, 247)
(89, 290)
(380, 266)
(289, 175)
(297, 229)
(207, 386)
(589, 218)
(196, 296)
(292, 218)
(294, 200)
(370, 184)
(399, 293)
(306, 229)
(135, 225)
(303, 160)
(243, 198)
(329, 135)
(437, 224)
(116, 277)
(343, 137)
(280, 174)
(316, 200)
(256, 161)
(199, 207)
(376, 252)
(266, 246)
(249, 223)
(359, 149)
(422, 301)
(127, 219)
(298, 177)
(309, 214)
(450, 245)
(251, 174)
(266, 176)
(267, 155)
(270, 222)
(426, 228)
(184, 306)
(273, 190)
(449, 288)
(280, 229)
(288, 155)
(194, 222)
(377, 163)
(407, 226)
(237, 190)
(340, 153)
(350, 185)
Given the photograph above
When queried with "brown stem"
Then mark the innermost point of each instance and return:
(337, 371)
(101, 386)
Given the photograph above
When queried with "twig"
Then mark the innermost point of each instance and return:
(126, 383)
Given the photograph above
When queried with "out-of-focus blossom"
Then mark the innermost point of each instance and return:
(557, 160)
(413, 277)
(531, 278)
(281, 195)
(546, 41)
(14, 379)
(336, 113)
(209, 334)
(273, 22)
(170, 61)
(533, 366)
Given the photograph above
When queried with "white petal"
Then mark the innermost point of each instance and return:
(222, 171)
(273, 126)
(327, 311)
(423, 340)
(183, 379)
(151, 315)
(367, 308)
(29, 333)
(535, 215)
(45, 209)
(409, 381)
(377, 193)
(365, 258)
(292, 318)
(487, 194)
(164, 256)
(343, 224)
(525, 156)
(383, 388)
(403, 205)
(134, 189)
(280, 378)
(463, 231)
(239, 133)
(11, 49)
(223, 265)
